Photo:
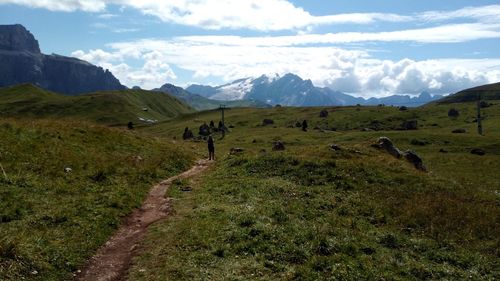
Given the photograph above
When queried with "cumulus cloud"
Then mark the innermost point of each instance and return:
(351, 71)
(154, 72)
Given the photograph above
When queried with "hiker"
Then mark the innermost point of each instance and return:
(211, 148)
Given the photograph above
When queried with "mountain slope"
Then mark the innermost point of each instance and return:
(109, 107)
(22, 62)
(202, 103)
(487, 92)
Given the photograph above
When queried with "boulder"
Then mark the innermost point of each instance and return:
(204, 130)
(323, 113)
(410, 125)
(235, 150)
(278, 146)
(386, 144)
(413, 158)
(403, 108)
(266, 122)
(453, 113)
(335, 147)
(478, 151)
(188, 134)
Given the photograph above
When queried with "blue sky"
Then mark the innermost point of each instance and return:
(366, 48)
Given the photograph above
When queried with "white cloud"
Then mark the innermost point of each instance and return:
(154, 72)
(344, 70)
(64, 6)
(269, 15)
(451, 33)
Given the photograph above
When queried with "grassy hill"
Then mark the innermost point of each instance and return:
(51, 221)
(314, 213)
(486, 92)
(111, 107)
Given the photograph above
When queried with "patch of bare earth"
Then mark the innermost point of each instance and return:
(112, 260)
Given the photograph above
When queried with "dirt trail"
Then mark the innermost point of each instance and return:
(111, 262)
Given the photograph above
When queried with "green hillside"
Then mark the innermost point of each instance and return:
(315, 213)
(486, 92)
(111, 107)
(52, 221)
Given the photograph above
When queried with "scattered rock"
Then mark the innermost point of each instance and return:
(186, 189)
(68, 170)
(204, 130)
(413, 158)
(484, 104)
(263, 150)
(442, 150)
(366, 130)
(459, 131)
(298, 124)
(335, 147)
(419, 142)
(478, 151)
(323, 113)
(188, 134)
(410, 125)
(254, 141)
(235, 150)
(266, 122)
(386, 144)
(278, 146)
(137, 159)
(454, 113)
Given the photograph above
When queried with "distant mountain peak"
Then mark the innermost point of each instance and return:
(16, 37)
(22, 62)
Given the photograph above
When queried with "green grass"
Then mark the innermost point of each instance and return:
(111, 107)
(52, 221)
(312, 213)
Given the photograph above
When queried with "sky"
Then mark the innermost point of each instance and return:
(365, 48)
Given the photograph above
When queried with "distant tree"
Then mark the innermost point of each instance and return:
(130, 125)
(304, 126)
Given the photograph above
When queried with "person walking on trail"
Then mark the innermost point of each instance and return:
(211, 148)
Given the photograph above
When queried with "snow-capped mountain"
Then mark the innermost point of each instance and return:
(291, 90)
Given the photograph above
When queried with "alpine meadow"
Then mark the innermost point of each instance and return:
(249, 140)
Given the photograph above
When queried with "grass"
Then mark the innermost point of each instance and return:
(311, 213)
(111, 107)
(51, 220)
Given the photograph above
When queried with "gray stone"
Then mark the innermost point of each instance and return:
(386, 144)
(278, 146)
(413, 158)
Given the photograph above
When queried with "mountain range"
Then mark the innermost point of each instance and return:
(292, 90)
(21, 61)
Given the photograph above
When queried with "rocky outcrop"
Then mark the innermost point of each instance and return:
(17, 38)
(22, 62)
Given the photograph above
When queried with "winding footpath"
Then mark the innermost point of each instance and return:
(113, 259)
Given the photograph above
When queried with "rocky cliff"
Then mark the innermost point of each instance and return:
(22, 62)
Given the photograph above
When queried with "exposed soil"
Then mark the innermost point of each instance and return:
(113, 259)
